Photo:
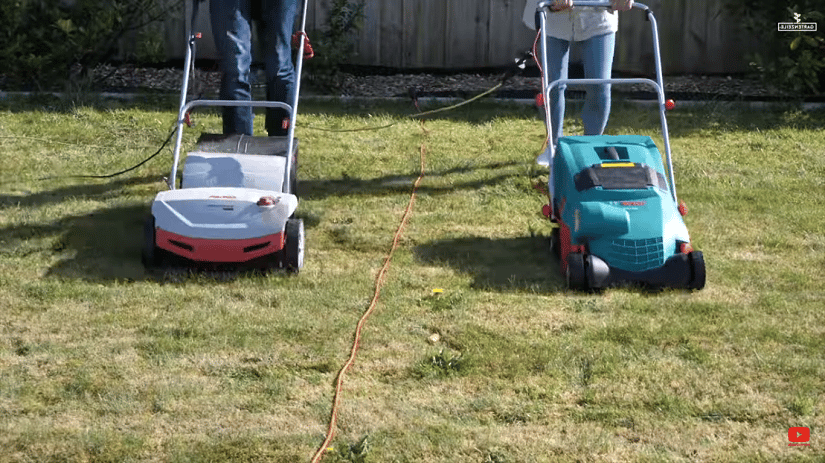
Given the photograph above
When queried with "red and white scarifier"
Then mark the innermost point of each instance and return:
(231, 208)
(229, 225)
(237, 195)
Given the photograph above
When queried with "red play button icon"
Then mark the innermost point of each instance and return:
(799, 435)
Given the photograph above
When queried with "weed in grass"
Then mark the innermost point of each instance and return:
(802, 405)
(443, 364)
(440, 302)
(495, 457)
(693, 353)
(357, 452)
(519, 414)
(586, 372)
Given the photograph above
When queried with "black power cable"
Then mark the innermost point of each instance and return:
(166, 142)
(513, 70)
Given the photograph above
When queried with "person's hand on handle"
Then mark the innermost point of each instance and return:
(615, 5)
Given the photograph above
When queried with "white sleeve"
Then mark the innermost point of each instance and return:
(529, 16)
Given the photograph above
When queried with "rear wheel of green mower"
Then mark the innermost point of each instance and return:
(697, 270)
(555, 242)
(576, 275)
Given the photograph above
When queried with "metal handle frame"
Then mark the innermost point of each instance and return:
(658, 85)
(185, 105)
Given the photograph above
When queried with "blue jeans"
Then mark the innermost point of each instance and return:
(597, 58)
(232, 29)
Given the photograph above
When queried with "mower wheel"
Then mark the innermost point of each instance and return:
(697, 270)
(150, 257)
(294, 245)
(293, 175)
(576, 275)
(555, 242)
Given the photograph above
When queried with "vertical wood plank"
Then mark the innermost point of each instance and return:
(696, 35)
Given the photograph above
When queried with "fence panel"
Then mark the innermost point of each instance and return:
(696, 35)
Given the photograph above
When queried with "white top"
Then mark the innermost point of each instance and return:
(574, 24)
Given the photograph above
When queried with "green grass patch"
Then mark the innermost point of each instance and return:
(476, 352)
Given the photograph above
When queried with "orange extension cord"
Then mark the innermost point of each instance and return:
(380, 279)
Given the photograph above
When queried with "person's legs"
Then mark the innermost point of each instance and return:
(558, 54)
(597, 59)
(233, 40)
(278, 21)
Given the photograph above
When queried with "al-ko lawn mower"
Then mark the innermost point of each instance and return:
(619, 221)
(234, 207)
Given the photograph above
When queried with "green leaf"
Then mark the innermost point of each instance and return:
(795, 43)
(65, 25)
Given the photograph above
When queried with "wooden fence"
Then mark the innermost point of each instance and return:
(696, 36)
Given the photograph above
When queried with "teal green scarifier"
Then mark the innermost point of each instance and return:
(621, 208)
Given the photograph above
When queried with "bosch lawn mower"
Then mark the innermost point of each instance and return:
(619, 220)
(234, 207)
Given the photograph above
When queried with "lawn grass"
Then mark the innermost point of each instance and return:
(100, 362)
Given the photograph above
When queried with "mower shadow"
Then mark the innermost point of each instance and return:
(507, 264)
(101, 246)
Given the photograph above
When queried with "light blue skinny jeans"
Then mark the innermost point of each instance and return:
(232, 29)
(597, 59)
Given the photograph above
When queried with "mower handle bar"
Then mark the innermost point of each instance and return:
(593, 3)
(251, 103)
(660, 95)
(541, 22)
(186, 105)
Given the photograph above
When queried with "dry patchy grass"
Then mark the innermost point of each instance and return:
(101, 362)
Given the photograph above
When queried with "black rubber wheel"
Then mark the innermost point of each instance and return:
(293, 175)
(576, 275)
(150, 257)
(294, 245)
(697, 270)
(555, 242)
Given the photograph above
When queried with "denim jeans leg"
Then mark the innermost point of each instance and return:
(597, 59)
(558, 56)
(232, 31)
(278, 21)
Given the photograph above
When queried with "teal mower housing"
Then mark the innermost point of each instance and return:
(613, 197)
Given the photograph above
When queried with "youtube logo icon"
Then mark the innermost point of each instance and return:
(799, 436)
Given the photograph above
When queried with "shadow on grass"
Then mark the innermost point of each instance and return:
(715, 116)
(101, 191)
(69, 102)
(104, 245)
(346, 185)
(506, 264)
(478, 112)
